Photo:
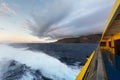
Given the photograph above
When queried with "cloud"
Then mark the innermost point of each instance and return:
(2, 29)
(69, 18)
(48, 15)
(2, 12)
(7, 10)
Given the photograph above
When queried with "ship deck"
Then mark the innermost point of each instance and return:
(112, 65)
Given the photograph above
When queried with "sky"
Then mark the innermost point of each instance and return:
(50, 20)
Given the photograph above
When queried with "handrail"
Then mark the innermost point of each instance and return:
(94, 68)
(85, 67)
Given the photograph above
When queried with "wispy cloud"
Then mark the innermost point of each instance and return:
(54, 19)
(69, 18)
(48, 15)
(2, 12)
(28, 23)
(2, 29)
(7, 10)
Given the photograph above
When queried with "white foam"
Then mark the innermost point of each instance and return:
(49, 66)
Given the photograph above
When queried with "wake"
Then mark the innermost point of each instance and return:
(49, 66)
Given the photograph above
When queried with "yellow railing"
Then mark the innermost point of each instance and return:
(85, 67)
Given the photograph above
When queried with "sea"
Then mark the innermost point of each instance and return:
(43, 61)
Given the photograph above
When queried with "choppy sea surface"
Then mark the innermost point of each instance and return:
(43, 61)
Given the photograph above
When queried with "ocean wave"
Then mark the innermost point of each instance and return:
(49, 67)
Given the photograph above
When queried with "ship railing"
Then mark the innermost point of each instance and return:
(94, 67)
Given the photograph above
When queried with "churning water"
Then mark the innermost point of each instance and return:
(26, 64)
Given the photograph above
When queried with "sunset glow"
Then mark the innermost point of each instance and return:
(48, 21)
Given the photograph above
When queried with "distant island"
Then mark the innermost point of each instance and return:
(94, 38)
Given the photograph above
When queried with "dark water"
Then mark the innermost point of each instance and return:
(22, 64)
(69, 53)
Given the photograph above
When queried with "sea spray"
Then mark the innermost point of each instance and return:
(49, 66)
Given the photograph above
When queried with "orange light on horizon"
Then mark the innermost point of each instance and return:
(23, 39)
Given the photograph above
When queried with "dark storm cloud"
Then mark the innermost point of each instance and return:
(70, 18)
(48, 15)
(89, 24)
